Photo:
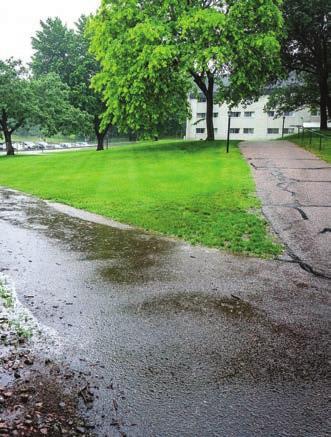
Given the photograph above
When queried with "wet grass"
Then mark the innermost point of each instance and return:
(192, 190)
(322, 150)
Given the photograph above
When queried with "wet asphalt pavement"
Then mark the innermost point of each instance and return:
(295, 187)
(181, 340)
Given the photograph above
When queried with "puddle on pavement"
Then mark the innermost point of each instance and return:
(130, 252)
(178, 303)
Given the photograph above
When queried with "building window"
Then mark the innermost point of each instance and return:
(288, 130)
(273, 130)
(289, 114)
(200, 130)
(202, 98)
(248, 130)
(201, 115)
(215, 130)
(215, 114)
(315, 113)
(234, 114)
(271, 113)
(249, 114)
(234, 130)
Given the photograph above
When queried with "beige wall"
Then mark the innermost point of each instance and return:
(260, 121)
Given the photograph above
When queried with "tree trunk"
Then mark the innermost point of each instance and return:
(208, 91)
(7, 133)
(101, 139)
(9, 145)
(100, 135)
(324, 105)
(210, 111)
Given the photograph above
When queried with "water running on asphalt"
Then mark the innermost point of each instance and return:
(182, 340)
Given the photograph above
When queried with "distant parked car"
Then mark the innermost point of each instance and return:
(28, 145)
(64, 146)
(41, 145)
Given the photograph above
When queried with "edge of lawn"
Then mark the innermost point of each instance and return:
(324, 153)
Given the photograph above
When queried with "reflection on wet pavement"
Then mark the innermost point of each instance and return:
(132, 253)
(195, 342)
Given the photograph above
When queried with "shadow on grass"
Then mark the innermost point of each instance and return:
(187, 146)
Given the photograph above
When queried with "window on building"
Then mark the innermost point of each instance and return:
(248, 130)
(249, 114)
(315, 113)
(273, 130)
(234, 114)
(215, 130)
(215, 114)
(202, 98)
(200, 130)
(234, 130)
(201, 115)
(288, 130)
(271, 113)
(289, 114)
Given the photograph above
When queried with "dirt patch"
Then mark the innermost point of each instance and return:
(40, 398)
(37, 395)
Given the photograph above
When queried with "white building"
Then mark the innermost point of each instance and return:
(247, 122)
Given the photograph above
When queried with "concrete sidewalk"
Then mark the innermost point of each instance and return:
(295, 188)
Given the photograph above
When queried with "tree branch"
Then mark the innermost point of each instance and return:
(199, 81)
(17, 125)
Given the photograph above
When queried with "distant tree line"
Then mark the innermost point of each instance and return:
(27, 101)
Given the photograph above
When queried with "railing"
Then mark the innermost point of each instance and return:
(306, 133)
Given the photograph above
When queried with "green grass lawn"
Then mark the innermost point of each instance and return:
(324, 152)
(192, 190)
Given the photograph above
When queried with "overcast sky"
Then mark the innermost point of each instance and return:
(19, 20)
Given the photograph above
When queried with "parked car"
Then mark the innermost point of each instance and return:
(28, 145)
(41, 145)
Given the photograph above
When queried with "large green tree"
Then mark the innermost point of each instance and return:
(25, 101)
(306, 52)
(150, 51)
(64, 51)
